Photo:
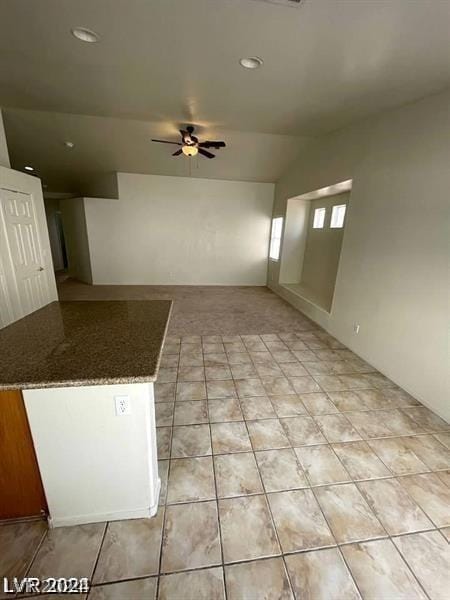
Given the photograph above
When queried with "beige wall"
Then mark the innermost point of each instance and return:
(75, 236)
(4, 156)
(322, 252)
(178, 230)
(393, 275)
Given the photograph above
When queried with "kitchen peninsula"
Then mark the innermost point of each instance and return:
(86, 371)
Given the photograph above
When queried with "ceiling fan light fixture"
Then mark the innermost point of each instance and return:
(189, 150)
(251, 62)
(85, 35)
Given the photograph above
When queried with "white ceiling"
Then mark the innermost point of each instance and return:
(172, 62)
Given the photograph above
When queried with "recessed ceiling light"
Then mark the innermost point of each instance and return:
(28, 168)
(85, 35)
(251, 62)
(69, 144)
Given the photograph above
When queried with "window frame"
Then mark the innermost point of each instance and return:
(322, 210)
(336, 209)
(276, 235)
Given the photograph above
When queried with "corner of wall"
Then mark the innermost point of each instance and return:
(4, 155)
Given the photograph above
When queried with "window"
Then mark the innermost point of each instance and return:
(338, 216)
(275, 238)
(319, 218)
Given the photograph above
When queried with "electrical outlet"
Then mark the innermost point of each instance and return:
(123, 406)
(356, 327)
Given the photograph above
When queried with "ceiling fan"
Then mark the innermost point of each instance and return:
(190, 146)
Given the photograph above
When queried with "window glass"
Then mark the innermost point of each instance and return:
(319, 218)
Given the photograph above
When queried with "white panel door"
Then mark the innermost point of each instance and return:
(25, 253)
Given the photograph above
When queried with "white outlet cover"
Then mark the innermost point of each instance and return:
(123, 405)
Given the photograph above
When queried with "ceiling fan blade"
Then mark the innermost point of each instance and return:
(206, 153)
(177, 152)
(212, 144)
(167, 142)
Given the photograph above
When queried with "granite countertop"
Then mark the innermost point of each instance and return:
(84, 343)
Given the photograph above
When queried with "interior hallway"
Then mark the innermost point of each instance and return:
(288, 464)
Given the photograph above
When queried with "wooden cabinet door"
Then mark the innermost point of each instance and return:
(21, 491)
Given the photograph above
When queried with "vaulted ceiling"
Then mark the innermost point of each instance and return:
(160, 64)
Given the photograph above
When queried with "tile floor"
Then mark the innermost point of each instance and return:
(290, 469)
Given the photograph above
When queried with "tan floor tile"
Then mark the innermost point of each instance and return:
(399, 397)
(247, 530)
(239, 358)
(217, 373)
(304, 355)
(191, 339)
(202, 584)
(213, 348)
(302, 431)
(169, 362)
(245, 371)
(360, 460)
(321, 575)
(224, 409)
(426, 419)
(337, 428)
(375, 400)
(299, 520)
(280, 470)
(121, 556)
(191, 537)
(318, 404)
(398, 456)
(191, 412)
(293, 369)
(259, 407)
(131, 590)
(430, 451)
(164, 392)
(444, 476)
(230, 437)
(431, 494)
(234, 347)
(289, 405)
(191, 479)
(393, 506)
(321, 465)
(237, 475)
(191, 440)
(163, 472)
(261, 356)
(211, 339)
(283, 357)
(191, 358)
(191, 374)
(167, 375)
(277, 386)
(251, 579)
(304, 385)
(247, 388)
(221, 389)
(163, 439)
(191, 390)
(380, 572)
(348, 514)
(267, 434)
(18, 543)
(217, 359)
(428, 555)
(446, 533)
(164, 413)
(268, 370)
(349, 400)
(68, 552)
(379, 423)
(444, 438)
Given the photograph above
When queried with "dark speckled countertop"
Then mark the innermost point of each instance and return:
(84, 343)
